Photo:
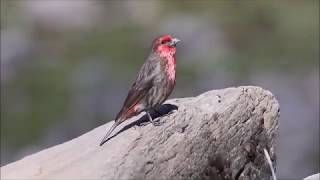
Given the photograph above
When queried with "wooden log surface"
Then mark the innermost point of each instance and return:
(219, 134)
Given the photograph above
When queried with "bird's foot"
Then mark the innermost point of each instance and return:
(156, 122)
(144, 123)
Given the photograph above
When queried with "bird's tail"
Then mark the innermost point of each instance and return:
(105, 138)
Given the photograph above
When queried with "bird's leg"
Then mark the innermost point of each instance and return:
(155, 123)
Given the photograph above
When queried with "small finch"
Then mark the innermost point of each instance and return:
(154, 83)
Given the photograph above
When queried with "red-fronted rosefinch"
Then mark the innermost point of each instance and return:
(154, 83)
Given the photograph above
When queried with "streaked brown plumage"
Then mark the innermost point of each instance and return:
(154, 83)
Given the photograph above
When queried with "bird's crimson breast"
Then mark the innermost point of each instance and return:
(171, 68)
(169, 63)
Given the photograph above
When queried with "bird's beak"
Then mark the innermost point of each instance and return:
(174, 41)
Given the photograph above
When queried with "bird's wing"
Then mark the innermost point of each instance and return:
(139, 89)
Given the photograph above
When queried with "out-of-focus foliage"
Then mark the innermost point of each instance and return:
(66, 65)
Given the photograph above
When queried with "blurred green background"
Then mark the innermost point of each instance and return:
(66, 66)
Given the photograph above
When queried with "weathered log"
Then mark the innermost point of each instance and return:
(219, 134)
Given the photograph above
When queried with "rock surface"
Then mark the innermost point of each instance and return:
(219, 134)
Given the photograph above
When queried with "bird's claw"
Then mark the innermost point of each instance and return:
(144, 123)
(157, 122)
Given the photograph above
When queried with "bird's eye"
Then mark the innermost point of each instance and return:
(165, 42)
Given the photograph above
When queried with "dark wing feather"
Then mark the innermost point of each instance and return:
(140, 87)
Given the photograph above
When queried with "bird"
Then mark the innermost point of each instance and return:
(154, 83)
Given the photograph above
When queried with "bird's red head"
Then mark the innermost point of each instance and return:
(165, 44)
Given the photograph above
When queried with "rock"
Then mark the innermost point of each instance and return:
(219, 134)
(313, 177)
